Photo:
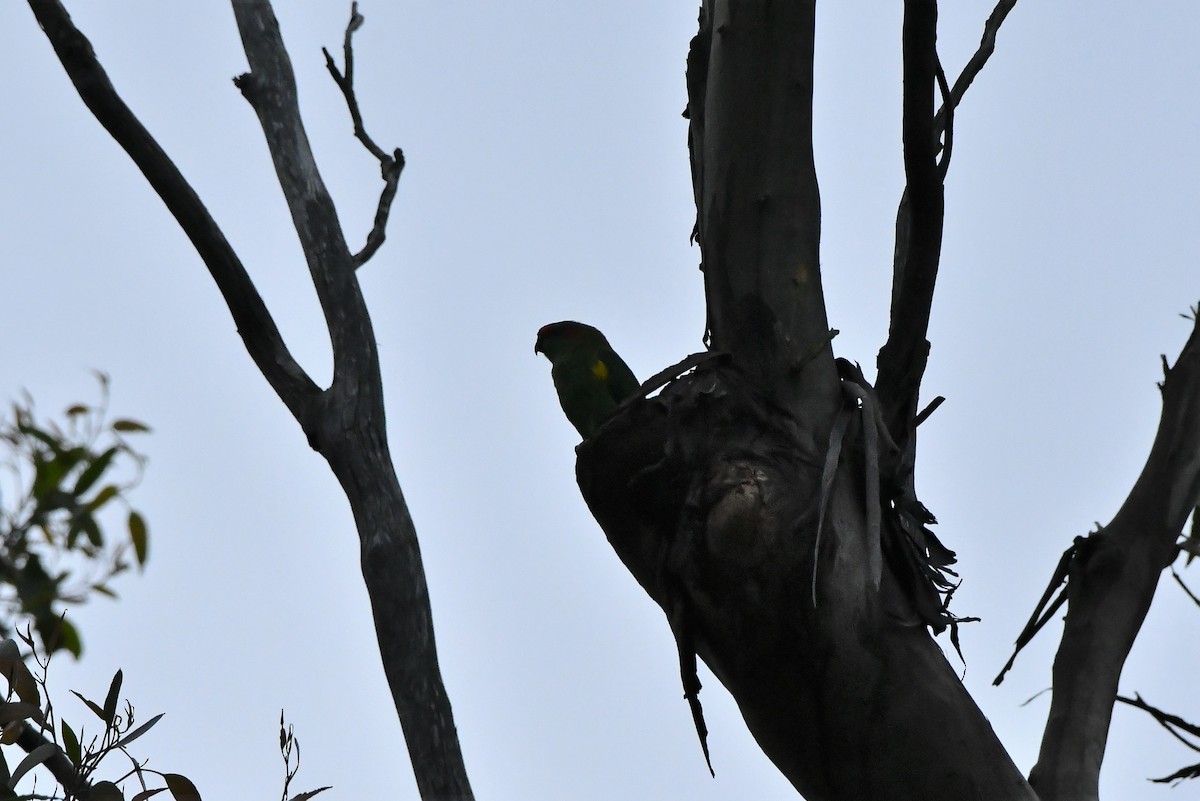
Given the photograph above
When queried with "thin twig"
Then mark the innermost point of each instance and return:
(1175, 726)
(390, 170)
(948, 139)
(1172, 723)
(390, 166)
(58, 764)
(1179, 580)
(345, 82)
(987, 46)
(928, 410)
(1045, 608)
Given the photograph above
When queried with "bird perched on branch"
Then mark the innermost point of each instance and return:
(591, 379)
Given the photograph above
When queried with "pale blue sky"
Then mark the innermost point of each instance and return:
(548, 179)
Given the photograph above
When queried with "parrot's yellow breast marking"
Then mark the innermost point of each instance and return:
(600, 370)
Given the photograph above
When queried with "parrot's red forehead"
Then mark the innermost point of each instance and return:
(567, 328)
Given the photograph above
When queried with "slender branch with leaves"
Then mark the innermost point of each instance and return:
(64, 479)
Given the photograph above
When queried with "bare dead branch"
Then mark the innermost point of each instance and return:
(345, 82)
(919, 220)
(350, 433)
(903, 357)
(975, 64)
(1177, 727)
(345, 423)
(932, 407)
(1190, 544)
(1111, 583)
(1190, 772)
(1186, 589)
(948, 134)
(390, 166)
(391, 170)
(270, 88)
(1174, 724)
(682, 626)
(263, 341)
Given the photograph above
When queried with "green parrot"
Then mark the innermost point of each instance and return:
(591, 379)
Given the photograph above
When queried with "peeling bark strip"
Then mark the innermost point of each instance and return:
(345, 422)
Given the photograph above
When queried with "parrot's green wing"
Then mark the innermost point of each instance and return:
(622, 384)
(591, 379)
(583, 393)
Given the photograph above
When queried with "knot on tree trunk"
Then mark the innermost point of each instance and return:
(711, 490)
(707, 487)
(711, 496)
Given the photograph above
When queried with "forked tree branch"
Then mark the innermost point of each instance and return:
(270, 88)
(350, 432)
(975, 64)
(254, 323)
(344, 423)
(390, 166)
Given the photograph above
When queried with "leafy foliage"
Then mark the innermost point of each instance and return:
(289, 748)
(71, 753)
(57, 545)
(56, 550)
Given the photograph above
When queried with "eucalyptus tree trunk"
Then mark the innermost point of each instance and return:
(766, 500)
(721, 495)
